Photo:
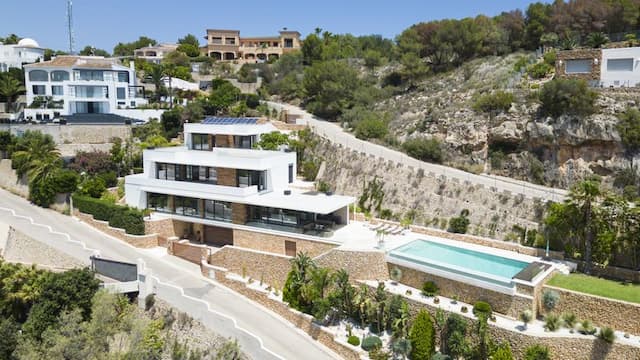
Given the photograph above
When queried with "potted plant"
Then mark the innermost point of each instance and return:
(395, 274)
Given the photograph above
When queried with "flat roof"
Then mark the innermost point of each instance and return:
(230, 128)
(247, 159)
(80, 62)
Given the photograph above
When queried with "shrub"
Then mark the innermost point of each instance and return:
(497, 102)
(430, 288)
(424, 149)
(93, 187)
(482, 308)
(552, 322)
(607, 334)
(464, 309)
(537, 352)
(131, 220)
(149, 301)
(354, 340)
(422, 337)
(567, 97)
(526, 317)
(459, 224)
(569, 320)
(310, 170)
(550, 57)
(395, 274)
(502, 352)
(371, 342)
(110, 178)
(586, 328)
(539, 70)
(371, 128)
(64, 181)
(550, 299)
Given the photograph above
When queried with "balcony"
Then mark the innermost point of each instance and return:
(176, 187)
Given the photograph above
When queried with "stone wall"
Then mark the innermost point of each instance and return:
(164, 228)
(141, 241)
(76, 134)
(239, 213)
(226, 177)
(276, 243)
(9, 180)
(23, 249)
(433, 198)
(270, 268)
(579, 54)
(619, 315)
(361, 265)
(190, 252)
(502, 303)
(303, 321)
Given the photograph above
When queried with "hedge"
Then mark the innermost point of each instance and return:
(131, 220)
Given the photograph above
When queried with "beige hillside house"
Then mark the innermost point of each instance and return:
(228, 45)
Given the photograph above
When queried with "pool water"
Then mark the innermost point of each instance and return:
(460, 260)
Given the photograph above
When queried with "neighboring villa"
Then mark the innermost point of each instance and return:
(616, 67)
(155, 53)
(79, 85)
(228, 45)
(218, 188)
(26, 51)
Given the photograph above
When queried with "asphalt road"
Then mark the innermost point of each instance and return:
(277, 335)
(334, 133)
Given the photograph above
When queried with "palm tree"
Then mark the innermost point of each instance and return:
(10, 88)
(35, 155)
(582, 196)
(155, 76)
(302, 265)
(345, 291)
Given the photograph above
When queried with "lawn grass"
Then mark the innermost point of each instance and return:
(597, 286)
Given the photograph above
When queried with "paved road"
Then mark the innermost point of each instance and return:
(278, 336)
(336, 135)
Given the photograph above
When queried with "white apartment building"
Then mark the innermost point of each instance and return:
(218, 184)
(69, 85)
(26, 51)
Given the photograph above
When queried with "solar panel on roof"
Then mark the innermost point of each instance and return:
(212, 120)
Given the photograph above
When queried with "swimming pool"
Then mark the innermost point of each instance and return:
(460, 263)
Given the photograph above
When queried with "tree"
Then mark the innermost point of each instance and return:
(92, 51)
(223, 95)
(629, 129)
(567, 97)
(455, 338)
(329, 87)
(583, 195)
(92, 162)
(155, 75)
(9, 89)
(272, 141)
(538, 16)
(11, 39)
(311, 49)
(414, 69)
(127, 49)
(33, 149)
(422, 337)
(171, 121)
(372, 58)
(343, 294)
(8, 338)
(298, 278)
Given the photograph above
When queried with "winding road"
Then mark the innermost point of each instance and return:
(334, 133)
(278, 337)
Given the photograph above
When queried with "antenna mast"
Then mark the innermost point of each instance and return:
(70, 25)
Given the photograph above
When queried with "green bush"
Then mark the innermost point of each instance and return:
(310, 170)
(482, 307)
(550, 299)
(537, 352)
(552, 322)
(497, 102)
(567, 97)
(550, 57)
(429, 288)
(371, 342)
(424, 149)
(569, 320)
(422, 337)
(93, 187)
(607, 334)
(371, 128)
(131, 220)
(65, 181)
(586, 328)
(502, 352)
(110, 178)
(354, 340)
(458, 225)
(539, 70)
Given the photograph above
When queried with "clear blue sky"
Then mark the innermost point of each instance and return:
(107, 22)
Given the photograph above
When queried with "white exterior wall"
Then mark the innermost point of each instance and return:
(629, 78)
(69, 96)
(14, 56)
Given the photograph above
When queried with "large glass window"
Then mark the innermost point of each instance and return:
(123, 76)
(243, 142)
(171, 172)
(187, 206)
(38, 75)
(288, 42)
(38, 89)
(59, 75)
(620, 65)
(280, 216)
(581, 66)
(158, 202)
(248, 178)
(57, 90)
(96, 75)
(217, 210)
(200, 141)
(121, 93)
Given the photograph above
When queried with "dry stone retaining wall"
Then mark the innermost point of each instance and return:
(140, 241)
(619, 315)
(361, 265)
(276, 243)
(260, 266)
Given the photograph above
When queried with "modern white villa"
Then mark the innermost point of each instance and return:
(155, 53)
(68, 85)
(26, 51)
(614, 67)
(219, 186)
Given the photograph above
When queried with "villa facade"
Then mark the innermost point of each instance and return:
(228, 45)
(615, 67)
(218, 187)
(69, 85)
(26, 51)
(155, 54)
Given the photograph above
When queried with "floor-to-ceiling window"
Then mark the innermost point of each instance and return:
(200, 142)
(217, 210)
(190, 173)
(248, 178)
(187, 206)
(284, 217)
(158, 202)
